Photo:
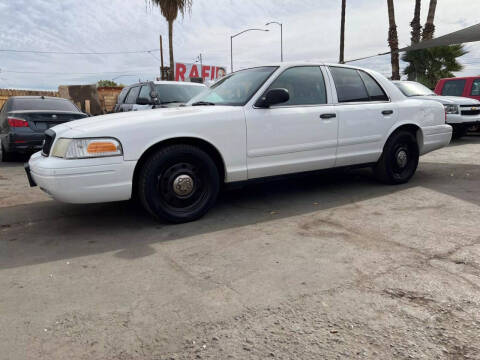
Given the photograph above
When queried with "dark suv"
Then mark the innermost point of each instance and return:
(156, 94)
(24, 119)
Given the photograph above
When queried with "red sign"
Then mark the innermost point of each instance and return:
(208, 72)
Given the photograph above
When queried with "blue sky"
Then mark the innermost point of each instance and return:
(311, 32)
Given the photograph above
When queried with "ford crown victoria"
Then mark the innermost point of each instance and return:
(258, 122)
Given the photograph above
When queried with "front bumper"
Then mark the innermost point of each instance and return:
(82, 181)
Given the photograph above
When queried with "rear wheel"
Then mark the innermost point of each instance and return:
(179, 183)
(399, 159)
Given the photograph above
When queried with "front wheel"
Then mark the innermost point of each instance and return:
(399, 159)
(179, 183)
(459, 131)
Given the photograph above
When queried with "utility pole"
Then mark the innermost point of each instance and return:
(161, 59)
(342, 34)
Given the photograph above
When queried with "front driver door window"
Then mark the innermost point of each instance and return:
(298, 135)
(144, 94)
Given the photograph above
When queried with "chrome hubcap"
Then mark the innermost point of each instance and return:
(183, 185)
(402, 158)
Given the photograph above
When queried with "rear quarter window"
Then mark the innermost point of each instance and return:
(454, 87)
(122, 95)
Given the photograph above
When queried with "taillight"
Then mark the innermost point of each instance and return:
(13, 122)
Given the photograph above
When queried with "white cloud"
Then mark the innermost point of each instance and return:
(311, 32)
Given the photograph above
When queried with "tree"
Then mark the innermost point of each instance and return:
(429, 27)
(433, 64)
(393, 41)
(415, 24)
(170, 10)
(107, 83)
(342, 33)
(416, 34)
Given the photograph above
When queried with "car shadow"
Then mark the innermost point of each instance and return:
(50, 231)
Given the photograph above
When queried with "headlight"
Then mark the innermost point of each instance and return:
(86, 148)
(451, 109)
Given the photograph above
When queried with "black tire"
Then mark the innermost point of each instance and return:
(4, 156)
(160, 188)
(459, 131)
(399, 159)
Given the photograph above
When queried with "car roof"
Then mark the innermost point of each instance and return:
(461, 78)
(187, 83)
(287, 64)
(37, 97)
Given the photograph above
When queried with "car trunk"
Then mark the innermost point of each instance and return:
(41, 120)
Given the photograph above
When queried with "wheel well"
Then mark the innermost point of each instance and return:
(415, 130)
(211, 150)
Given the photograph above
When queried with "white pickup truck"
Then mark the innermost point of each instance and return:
(461, 112)
(259, 122)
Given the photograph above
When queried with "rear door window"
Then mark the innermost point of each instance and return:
(475, 88)
(453, 87)
(132, 95)
(350, 86)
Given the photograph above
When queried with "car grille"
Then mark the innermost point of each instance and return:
(470, 112)
(48, 142)
(470, 109)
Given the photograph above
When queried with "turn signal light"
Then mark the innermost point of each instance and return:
(13, 122)
(101, 147)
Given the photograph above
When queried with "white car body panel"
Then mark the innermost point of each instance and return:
(252, 142)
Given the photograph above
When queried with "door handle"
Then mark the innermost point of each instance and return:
(328, 116)
(387, 112)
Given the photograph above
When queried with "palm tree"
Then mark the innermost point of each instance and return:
(393, 41)
(342, 33)
(434, 63)
(416, 33)
(170, 10)
(429, 27)
(415, 24)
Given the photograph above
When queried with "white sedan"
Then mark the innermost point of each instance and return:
(258, 122)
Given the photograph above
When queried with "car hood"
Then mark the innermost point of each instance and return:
(135, 119)
(453, 100)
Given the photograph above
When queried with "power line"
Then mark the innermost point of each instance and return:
(80, 52)
(74, 73)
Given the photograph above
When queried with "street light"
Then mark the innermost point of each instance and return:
(231, 44)
(281, 37)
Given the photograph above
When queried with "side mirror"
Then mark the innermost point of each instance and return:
(143, 101)
(273, 97)
(153, 94)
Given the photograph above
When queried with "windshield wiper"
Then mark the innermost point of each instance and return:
(199, 103)
(171, 102)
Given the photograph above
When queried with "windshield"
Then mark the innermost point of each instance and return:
(235, 89)
(168, 93)
(413, 89)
